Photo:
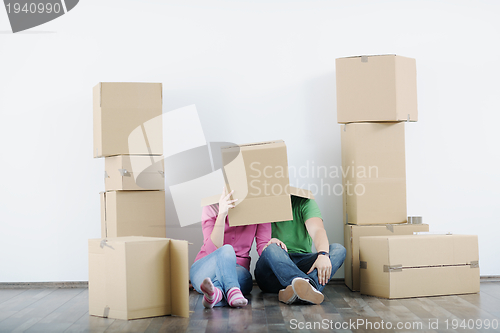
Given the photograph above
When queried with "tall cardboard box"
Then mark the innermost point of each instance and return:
(374, 173)
(133, 213)
(127, 119)
(258, 174)
(134, 172)
(352, 234)
(376, 88)
(419, 265)
(138, 277)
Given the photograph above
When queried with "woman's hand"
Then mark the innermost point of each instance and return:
(225, 203)
(276, 241)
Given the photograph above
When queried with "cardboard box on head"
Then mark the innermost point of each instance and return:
(138, 277)
(418, 265)
(128, 119)
(258, 174)
(376, 88)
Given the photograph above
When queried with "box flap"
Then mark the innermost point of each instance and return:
(261, 210)
(254, 144)
(179, 277)
(299, 192)
(370, 55)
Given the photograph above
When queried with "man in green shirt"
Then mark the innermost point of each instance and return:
(288, 266)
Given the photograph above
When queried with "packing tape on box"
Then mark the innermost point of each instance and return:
(415, 219)
(161, 173)
(345, 127)
(124, 172)
(393, 268)
(474, 264)
(390, 227)
(106, 174)
(408, 119)
(104, 243)
(364, 58)
(105, 314)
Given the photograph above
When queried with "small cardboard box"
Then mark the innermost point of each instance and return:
(376, 88)
(352, 233)
(419, 265)
(374, 173)
(138, 277)
(134, 172)
(128, 119)
(258, 174)
(133, 213)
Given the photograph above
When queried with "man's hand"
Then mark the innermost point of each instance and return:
(276, 241)
(324, 267)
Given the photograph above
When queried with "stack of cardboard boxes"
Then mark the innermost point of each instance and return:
(376, 95)
(134, 270)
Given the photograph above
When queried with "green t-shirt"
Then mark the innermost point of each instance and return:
(294, 233)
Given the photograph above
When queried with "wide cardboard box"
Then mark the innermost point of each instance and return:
(352, 233)
(138, 277)
(127, 119)
(133, 213)
(376, 88)
(419, 265)
(374, 173)
(134, 172)
(258, 174)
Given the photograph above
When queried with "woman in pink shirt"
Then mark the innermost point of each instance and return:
(221, 268)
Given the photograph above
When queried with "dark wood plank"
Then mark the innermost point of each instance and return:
(6, 294)
(88, 323)
(484, 301)
(20, 302)
(66, 310)
(64, 316)
(24, 319)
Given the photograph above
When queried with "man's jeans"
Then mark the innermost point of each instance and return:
(276, 268)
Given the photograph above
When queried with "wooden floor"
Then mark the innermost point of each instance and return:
(66, 310)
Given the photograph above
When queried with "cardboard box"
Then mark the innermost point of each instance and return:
(376, 88)
(133, 213)
(374, 173)
(419, 265)
(134, 172)
(138, 277)
(258, 174)
(352, 233)
(127, 119)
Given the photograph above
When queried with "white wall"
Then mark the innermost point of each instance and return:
(256, 70)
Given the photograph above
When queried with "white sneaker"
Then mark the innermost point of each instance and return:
(287, 295)
(305, 291)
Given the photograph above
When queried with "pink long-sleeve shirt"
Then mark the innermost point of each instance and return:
(240, 237)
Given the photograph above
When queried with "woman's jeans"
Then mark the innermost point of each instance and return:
(221, 267)
(276, 268)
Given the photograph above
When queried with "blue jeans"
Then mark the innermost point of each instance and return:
(221, 267)
(276, 268)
